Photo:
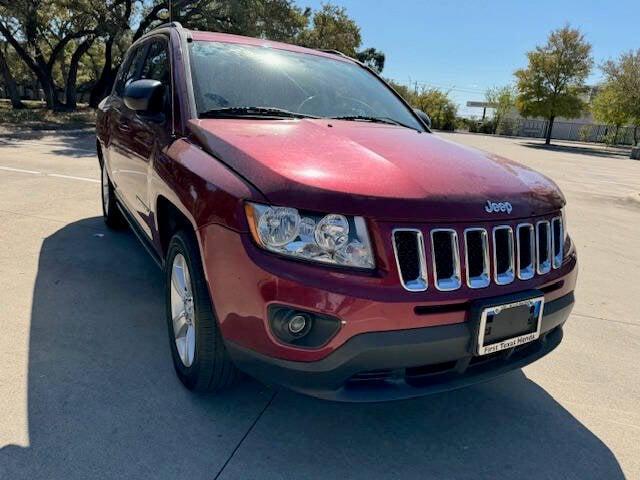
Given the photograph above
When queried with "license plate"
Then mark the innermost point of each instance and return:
(509, 325)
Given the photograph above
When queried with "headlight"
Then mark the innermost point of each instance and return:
(334, 239)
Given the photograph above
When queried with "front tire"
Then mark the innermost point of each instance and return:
(110, 211)
(199, 356)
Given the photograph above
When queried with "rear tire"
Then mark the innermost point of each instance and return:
(199, 356)
(110, 210)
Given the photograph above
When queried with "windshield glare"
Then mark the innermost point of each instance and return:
(228, 75)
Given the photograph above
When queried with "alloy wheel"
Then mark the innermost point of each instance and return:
(182, 311)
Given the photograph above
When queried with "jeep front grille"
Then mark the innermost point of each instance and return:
(543, 247)
(445, 254)
(476, 248)
(408, 246)
(502, 254)
(526, 243)
(557, 241)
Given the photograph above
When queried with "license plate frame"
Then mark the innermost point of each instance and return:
(537, 303)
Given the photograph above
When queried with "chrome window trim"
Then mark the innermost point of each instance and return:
(508, 276)
(529, 272)
(543, 267)
(454, 282)
(421, 283)
(557, 259)
(483, 280)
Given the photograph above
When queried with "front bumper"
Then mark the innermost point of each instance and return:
(391, 365)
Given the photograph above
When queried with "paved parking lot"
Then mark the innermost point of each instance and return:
(87, 389)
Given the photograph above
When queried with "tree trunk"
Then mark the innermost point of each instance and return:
(106, 78)
(547, 140)
(9, 81)
(72, 76)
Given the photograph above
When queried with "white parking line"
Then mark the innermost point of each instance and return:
(84, 179)
(9, 169)
(57, 175)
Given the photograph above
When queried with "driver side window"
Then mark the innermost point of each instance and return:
(156, 67)
(130, 71)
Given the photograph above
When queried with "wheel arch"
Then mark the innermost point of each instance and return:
(169, 220)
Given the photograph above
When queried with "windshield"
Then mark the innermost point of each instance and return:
(231, 77)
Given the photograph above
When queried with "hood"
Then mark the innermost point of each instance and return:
(376, 170)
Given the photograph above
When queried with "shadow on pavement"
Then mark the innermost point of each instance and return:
(73, 143)
(594, 151)
(104, 401)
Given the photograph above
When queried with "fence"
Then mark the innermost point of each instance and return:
(583, 132)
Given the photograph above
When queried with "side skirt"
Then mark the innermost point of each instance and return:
(146, 243)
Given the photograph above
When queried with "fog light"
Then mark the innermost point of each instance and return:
(297, 324)
(302, 329)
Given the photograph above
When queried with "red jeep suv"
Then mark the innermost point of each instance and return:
(314, 233)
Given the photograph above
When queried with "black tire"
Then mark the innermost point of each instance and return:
(110, 211)
(211, 370)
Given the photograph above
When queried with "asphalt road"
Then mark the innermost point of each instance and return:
(87, 389)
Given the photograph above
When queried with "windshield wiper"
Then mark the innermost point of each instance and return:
(364, 118)
(234, 112)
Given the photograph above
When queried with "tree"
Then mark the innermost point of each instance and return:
(41, 31)
(553, 82)
(504, 99)
(607, 107)
(128, 20)
(372, 58)
(618, 100)
(64, 43)
(438, 106)
(434, 102)
(332, 29)
(8, 80)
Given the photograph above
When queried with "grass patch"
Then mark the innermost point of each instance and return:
(36, 117)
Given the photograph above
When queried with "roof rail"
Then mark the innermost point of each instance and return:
(334, 51)
(166, 25)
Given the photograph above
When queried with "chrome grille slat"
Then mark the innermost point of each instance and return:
(543, 247)
(503, 276)
(526, 270)
(483, 279)
(417, 282)
(557, 241)
(441, 280)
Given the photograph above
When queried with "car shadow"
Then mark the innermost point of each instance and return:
(104, 402)
(594, 151)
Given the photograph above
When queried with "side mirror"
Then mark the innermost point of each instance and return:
(145, 96)
(423, 116)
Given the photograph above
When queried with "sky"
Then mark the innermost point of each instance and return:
(466, 47)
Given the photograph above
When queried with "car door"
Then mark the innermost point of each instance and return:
(141, 137)
(119, 123)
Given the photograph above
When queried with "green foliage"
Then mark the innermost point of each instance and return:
(332, 29)
(506, 126)
(608, 106)
(434, 102)
(554, 80)
(61, 43)
(618, 100)
(504, 99)
(584, 134)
